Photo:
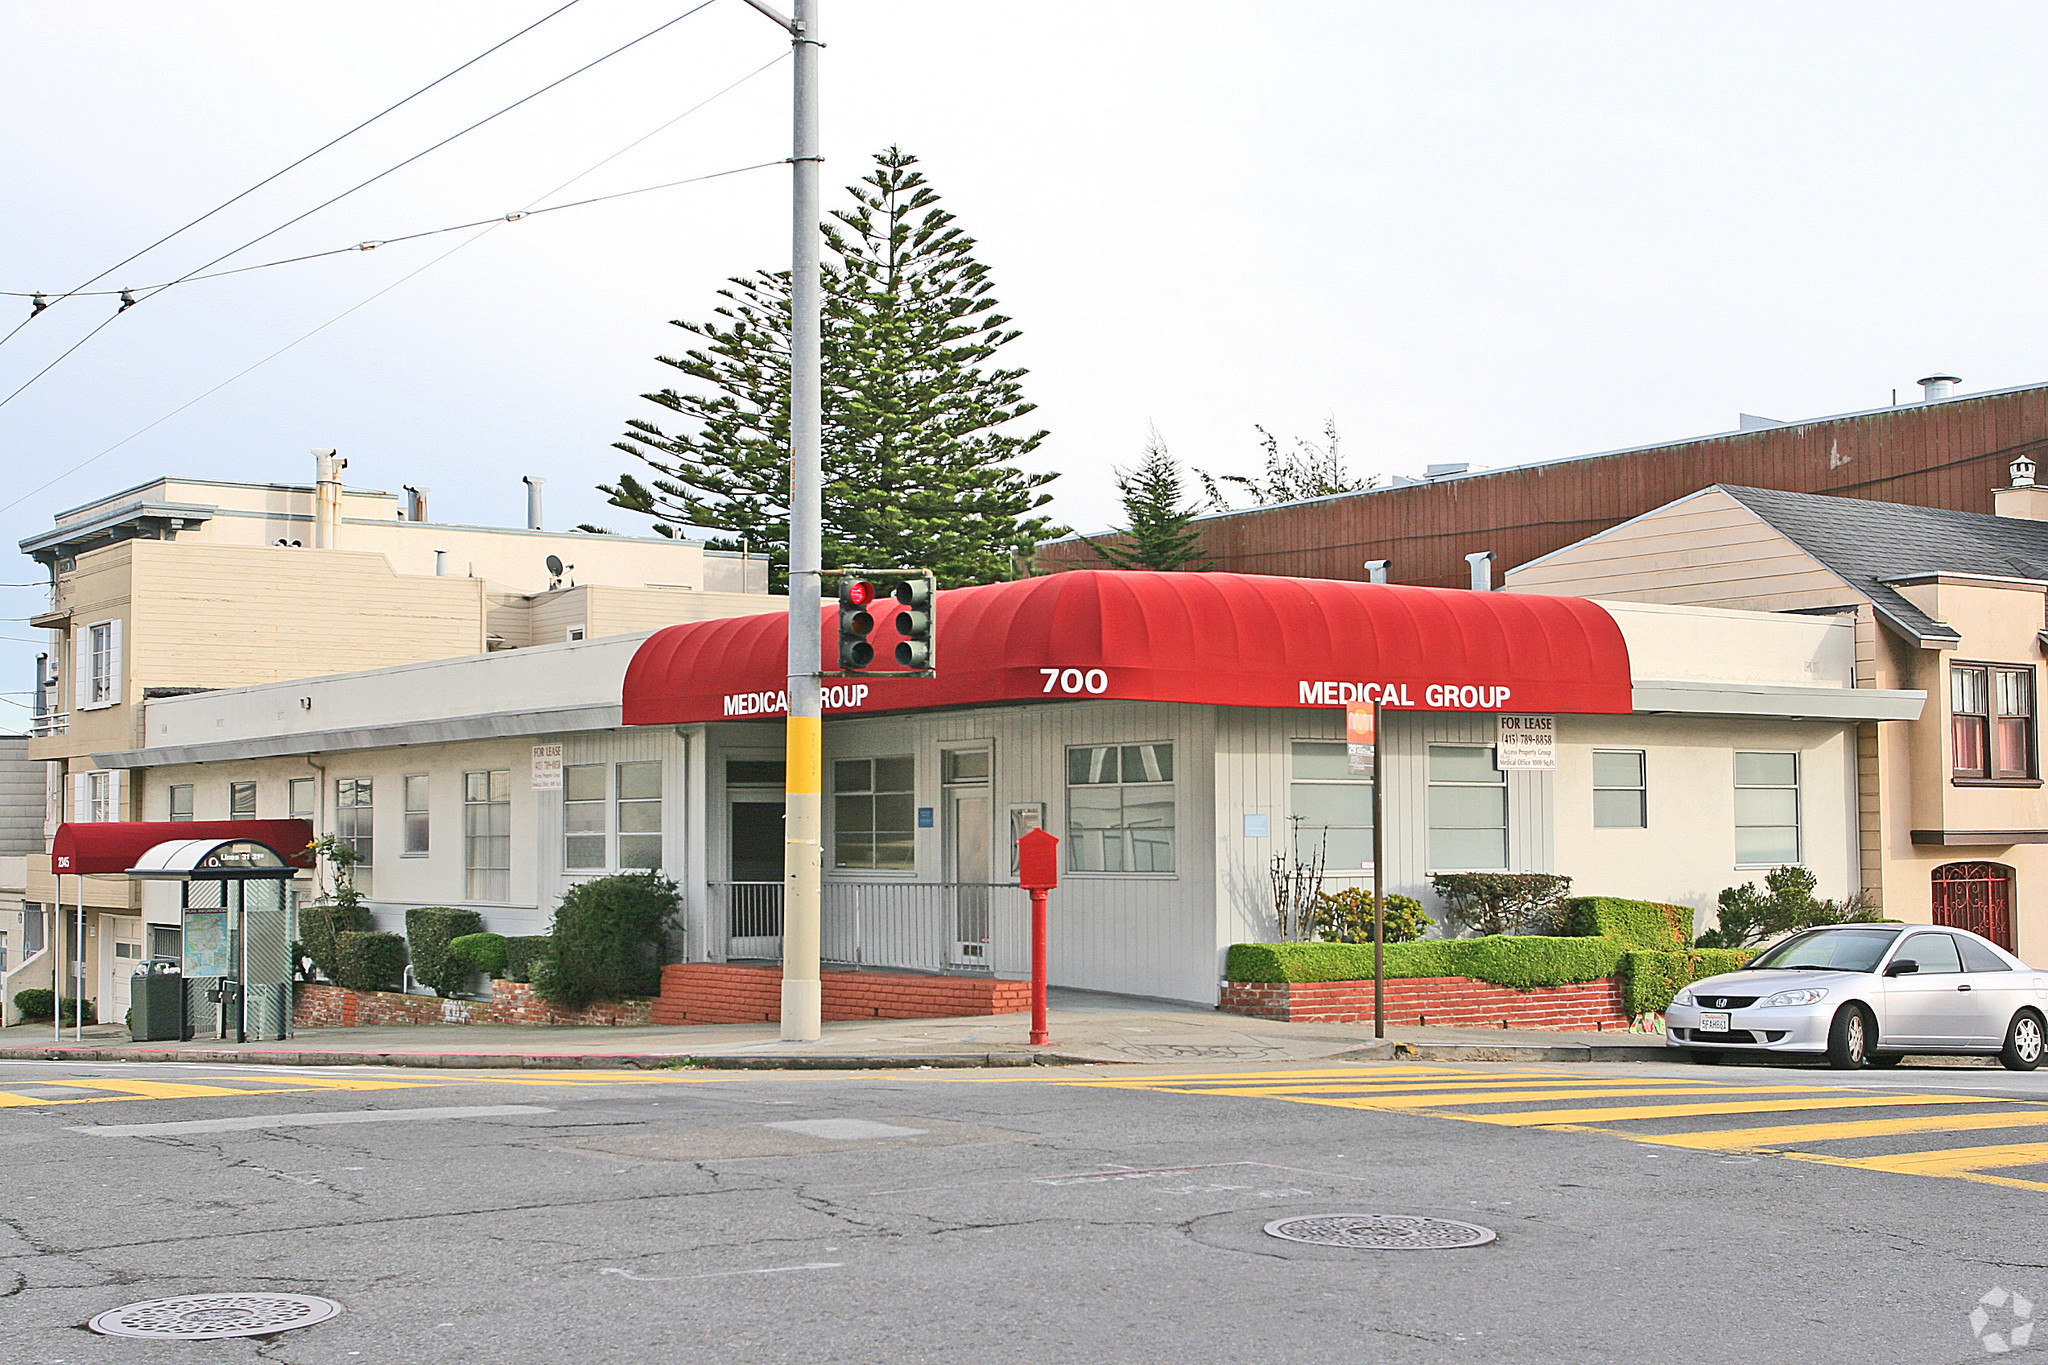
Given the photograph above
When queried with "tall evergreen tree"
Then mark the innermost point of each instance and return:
(1161, 535)
(920, 466)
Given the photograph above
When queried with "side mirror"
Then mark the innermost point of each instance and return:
(1906, 968)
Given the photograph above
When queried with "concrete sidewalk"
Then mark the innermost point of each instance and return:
(1086, 1028)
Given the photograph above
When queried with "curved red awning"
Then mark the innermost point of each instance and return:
(87, 847)
(1204, 638)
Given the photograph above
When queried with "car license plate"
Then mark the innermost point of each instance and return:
(1714, 1023)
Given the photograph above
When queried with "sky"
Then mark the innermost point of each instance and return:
(1485, 232)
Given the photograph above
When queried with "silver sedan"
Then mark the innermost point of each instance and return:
(1869, 994)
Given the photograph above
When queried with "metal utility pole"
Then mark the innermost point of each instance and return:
(803, 855)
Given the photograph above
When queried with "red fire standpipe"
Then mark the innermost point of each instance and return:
(1038, 1030)
(1038, 871)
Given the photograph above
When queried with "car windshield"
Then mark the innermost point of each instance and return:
(1840, 950)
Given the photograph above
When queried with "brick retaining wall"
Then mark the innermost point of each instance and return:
(319, 1005)
(722, 993)
(1434, 1001)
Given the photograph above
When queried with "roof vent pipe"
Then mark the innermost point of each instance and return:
(1482, 570)
(1936, 387)
(532, 501)
(1376, 570)
(2022, 471)
(440, 563)
(416, 502)
(327, 498)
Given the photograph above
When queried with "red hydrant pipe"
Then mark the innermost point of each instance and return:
(1038, 968)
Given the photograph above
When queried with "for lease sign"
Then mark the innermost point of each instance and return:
(1526, 742)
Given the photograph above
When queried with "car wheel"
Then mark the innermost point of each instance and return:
(1705, 1058)
(1849, 1039)
(1887, 1059)
(2024, 1040)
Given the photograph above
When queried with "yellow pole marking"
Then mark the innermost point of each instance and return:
(1746, 1139)
(1539, 1118)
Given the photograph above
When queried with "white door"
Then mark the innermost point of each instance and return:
(969, 843)
(754, 894)
(122, 957)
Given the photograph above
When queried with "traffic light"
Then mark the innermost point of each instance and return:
(914, 622)
(856, 623)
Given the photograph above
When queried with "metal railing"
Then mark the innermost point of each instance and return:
(979, 927)
(50, 723)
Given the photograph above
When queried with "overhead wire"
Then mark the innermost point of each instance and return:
(128, 300)
(50, 300)
(493, 226)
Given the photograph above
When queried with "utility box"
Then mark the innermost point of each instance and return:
(156, 1000)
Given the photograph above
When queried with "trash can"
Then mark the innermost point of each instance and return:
(156, 1001)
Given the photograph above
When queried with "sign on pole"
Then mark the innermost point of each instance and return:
(547, 767)
(1361, 738)
(1526, 742)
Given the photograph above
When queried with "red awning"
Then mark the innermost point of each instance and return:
(117, 845)
(1203, 638)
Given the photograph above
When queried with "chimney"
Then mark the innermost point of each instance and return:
(1936, 387)
(440, 563)
(1376, 570)
(2023, 498)
(1482, 570)
(416, 502)
(327, 498)
(532, 501)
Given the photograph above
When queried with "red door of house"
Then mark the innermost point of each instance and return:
(1976, 897)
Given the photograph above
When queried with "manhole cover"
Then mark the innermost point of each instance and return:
(1380, 1232)
(202, 1317)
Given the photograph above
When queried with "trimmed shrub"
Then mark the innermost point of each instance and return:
(319, 925)
(479, 953)
(1519, 962)
(428, 932)
(524, 952)
(609, 937)
(366, 961)
(1650, 979)
(35, 1004)
(1637, 924)
(1346, 917)
(1494, 903)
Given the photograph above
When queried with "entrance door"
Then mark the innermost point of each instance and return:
(1977, 897)
(969, 845)
(123, 956)
(754, 893)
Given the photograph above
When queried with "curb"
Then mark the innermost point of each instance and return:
(639, 1061)
(1508, 1052)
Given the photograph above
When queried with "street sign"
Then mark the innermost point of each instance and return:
(1360, 738)
(1525, 743)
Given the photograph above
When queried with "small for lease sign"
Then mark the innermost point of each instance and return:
(547, 767)
(1526, 742)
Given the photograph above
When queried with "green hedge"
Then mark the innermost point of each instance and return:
(1649, 980)
(34, 1004)
(369, 961)
(609, 937)
(318, 926)
(523, 952)
(1636, 924)
(428, 932)
(480, 953)
(1517, 961)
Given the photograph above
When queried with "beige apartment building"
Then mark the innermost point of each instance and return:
(189, 585)
(1952, 813)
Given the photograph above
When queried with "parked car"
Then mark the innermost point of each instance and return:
(1869, 994)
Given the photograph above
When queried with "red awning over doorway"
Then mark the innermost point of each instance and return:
(1203, 638)
(83, 848)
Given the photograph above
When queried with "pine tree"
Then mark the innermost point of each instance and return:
(1161, 535)
(920, 468)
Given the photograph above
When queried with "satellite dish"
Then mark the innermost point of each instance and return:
(555, 565)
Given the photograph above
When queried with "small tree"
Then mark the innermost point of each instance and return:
(1346, 917)
(1750, 917)
(341, 909)
(1504, 902)
(1307, 469)
(1161, 534)
(609, 936)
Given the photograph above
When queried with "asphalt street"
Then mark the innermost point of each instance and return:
(1644, 1213)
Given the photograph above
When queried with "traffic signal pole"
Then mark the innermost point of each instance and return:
(803, 863)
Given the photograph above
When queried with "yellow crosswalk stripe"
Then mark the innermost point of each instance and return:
(1953, 1160)
(1507, 1089)
(1745, 1139)
(310, 1083)
(1451, 1099)
(155, 1090)
(1539, 1118)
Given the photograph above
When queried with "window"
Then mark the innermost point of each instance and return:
(1621, 799)
(575, 633)
(640, 815)
(241, 800)
(102, 801)
(1766, 809)
(1468, 809)
(181, 801)
(1120, 808)
(1330, 806)
(166, 943)
(415, 816)
(754, 772)
(1991, 722)
(874, 813)
(298, 798)
(99, 665)
(1978, 958)
(1934, 953)
(487, 834)
(352, 815)
(583, 797)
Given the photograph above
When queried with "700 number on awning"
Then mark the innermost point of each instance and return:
(1074, 682)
